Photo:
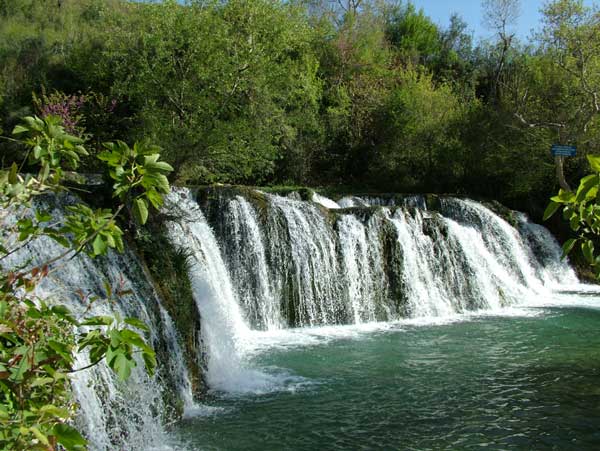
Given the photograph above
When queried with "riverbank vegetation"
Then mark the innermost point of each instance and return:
(39, 336)
(367, 94)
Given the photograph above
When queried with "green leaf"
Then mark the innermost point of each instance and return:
(151, 162)
(69, 437)
(37, 152)
(134, 339)
(23, 367)
(594, 161)
(12, 175)
(149, 362)
(41, 381)
(42, 216)
(551, 209)
(140, 210)
(585, 185)
(38, 434)
(54, 411)
(137, 323)
(587, 247)
(61, 349)
(568, 246)
(98, 321)
(564, 197)
(575, 222)
(64, 313)
(122, 366)
(19, 129)
(99, 245)
(155, 198)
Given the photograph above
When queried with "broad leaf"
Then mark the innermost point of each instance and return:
(568, 246)
(551, 209)
(594, 161)
(69, 437)
(140, 210)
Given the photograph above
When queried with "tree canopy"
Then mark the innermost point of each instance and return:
(368, 94)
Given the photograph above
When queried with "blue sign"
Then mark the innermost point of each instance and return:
(563, 151)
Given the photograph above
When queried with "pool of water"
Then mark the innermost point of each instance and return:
(526, 379)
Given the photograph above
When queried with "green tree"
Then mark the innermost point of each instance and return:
(412, 33)
(226, 88)
(422, 138)
(582, 211)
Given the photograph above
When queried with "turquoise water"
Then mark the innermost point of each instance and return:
(526, 381)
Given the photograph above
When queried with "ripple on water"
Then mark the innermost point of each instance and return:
(516, 382)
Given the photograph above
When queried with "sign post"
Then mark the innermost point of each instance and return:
(563, 151)
(560, 152)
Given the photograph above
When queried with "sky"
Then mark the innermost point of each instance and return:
(470, 11)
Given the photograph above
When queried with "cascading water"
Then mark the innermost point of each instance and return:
(248, 265)
(113, 415)
(362, 267)
(305, 263)
(224, 329)
(367, 259)
(545, 254)
(425, 291)
(324, 201)
(259, 263)
(225, 334)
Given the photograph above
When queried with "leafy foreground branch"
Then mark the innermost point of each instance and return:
(39, 339)
(582, 210)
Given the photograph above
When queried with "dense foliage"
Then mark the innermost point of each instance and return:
(582, 210)
(39, 338)
(368, 94)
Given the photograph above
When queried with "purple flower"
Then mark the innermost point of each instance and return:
(66, 107)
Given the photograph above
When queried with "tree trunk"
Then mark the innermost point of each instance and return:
(560, 174)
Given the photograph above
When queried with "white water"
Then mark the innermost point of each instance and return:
(328, 269)
(325, 201)
(248, 265)
(362, 257)
(351, 201)
(285, 262)
(306, 261)
(224, 332)
(127, 415)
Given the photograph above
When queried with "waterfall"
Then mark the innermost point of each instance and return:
(263, 262)
(351, 201)
(225, 333)
(324, 201)
(426, 293)
(545, 254)
(306, 263)
(112, 414)
(362, 266)
(248, 265)
(368, 258)
(223, 328)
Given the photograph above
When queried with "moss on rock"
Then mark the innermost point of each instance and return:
(168, 267)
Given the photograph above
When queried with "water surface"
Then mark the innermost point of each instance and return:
(529, 380)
